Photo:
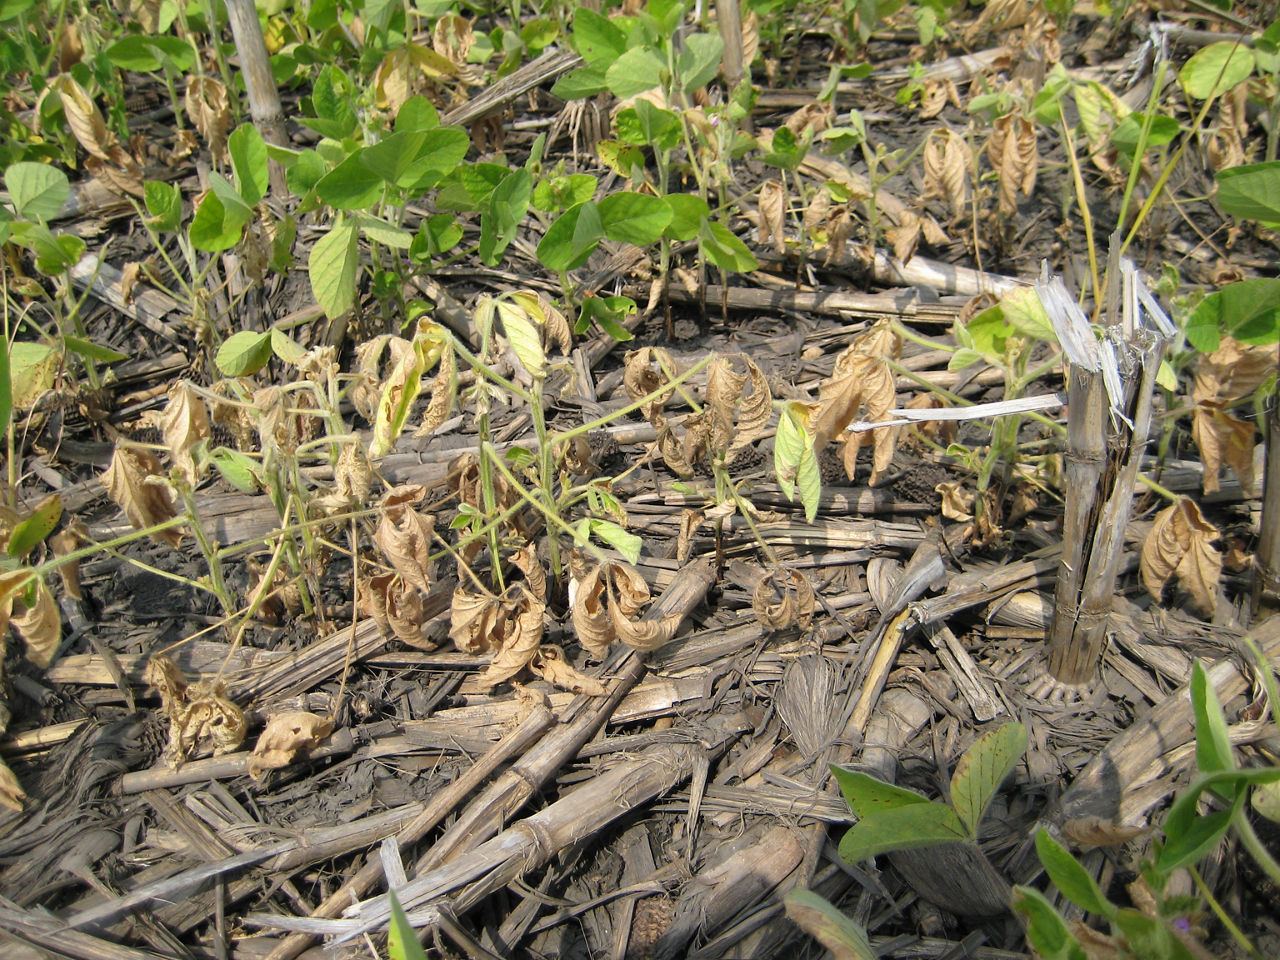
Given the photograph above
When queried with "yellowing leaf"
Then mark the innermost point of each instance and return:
(134, 482)
(284, 736)
(1180, 545)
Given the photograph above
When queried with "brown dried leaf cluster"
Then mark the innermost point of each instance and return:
(135, 481)
(509, 626)
(196, 712)
(1180, 545)
(108, 161)
(210, 112)
(947, 165)
(784, 598)
(1012, 151)
(736, 412)
(284, 737)
(605, 603)
(861, 382)
(1224, 378)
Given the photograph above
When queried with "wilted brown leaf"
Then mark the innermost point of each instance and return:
(210, 113)
(404, 535)
(1012, 151)
(627, 594)
(452, 38)
(550, 664)
(587, 607)
(11, 792)
(1091, 832)
(862, 378)
(284, 736)
(40, 625)
(772, 222)
(644, 374)
(185, 423)
(1221, 438)
(83, 119)
(352, 481)
(474, 619)
(1180, 545)
(737, 419)
(444, 388)
(957, 502)
(782, 599)
(134, 481)
(812, 118)
(840, 224)
(519, 637)
(905, 237)
(195, 712)
(1232, 372)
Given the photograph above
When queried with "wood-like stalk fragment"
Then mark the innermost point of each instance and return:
(1266, 584)
(259, 83)
(1110, 388)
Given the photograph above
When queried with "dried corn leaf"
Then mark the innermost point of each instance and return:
(39, 625)
(550, 664)
(1180, 545)
(185, 424)
(284, 737)
(782, 599)
(1223, 439)
(134, 481)
(771, 226)
(404, 535)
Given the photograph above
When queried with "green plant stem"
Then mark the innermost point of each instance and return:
(207, 548)
(1086, 218)
(1251, 842)
(1157, 488)
(1148, 120)
(1236, 933)
(268, 579)
(546, 470)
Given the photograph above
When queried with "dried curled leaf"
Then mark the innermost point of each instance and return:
(83, 119)
(862, 377)
(641, 378)
(587, 607)
(210, 112)
(550, 664)
(1223, 439)
(782, 599)
(444, 389)
(284, 737)
(135, 482)
(11, 792)
(366, 391)
(947, 162)
(39, 625)
(737, 419)
(1012, 151)
(1232, 372)
(196, 712)
(404, 535)
(185, 424)
(957, 502)
(474, 620)
(1180, 545)
(519, 638)
(772, 222)
(352, 481)
(627, 594)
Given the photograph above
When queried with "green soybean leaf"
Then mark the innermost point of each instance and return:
(332, 267)
(9, 9)
(351, 185)
(982, 769)
(1248, 310)
(32, 530)
(1213, 70)
(164, 204)
(469, 187)
(134, 53)
(38, 190)
(417, 159)
(572, 238)
(627, 544)
(826, 924)
(581, 83)
(727, 251)
(1251, 191)
(903, 828)
(248, 162)
(597, 38)
(699, 62)
(609, 312)
(1070, 877)
(1047, 932)
(687, 213)
(1127, 136)
(244, 354)
(54, 254)
(379, 231)
(507, 207)
(212, 229)
(637, 218)
(286, 348)
(870, 796)
(417, 113)
(637, 70)
(1146, 936)
(332, 98)
(1188, 835)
